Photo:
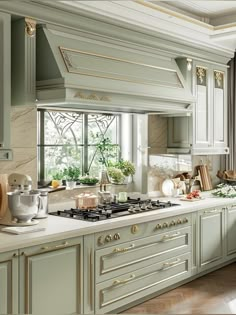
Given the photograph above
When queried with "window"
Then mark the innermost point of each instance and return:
(69, 138)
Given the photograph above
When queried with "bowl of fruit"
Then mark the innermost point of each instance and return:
(192, 196)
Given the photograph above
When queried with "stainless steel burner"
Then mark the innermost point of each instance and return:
(114, 210)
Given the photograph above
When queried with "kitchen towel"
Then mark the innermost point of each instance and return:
(22, 229)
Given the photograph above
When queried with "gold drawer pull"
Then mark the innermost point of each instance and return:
(212, 211)
(56, 247)
(122, 250)
(169, 237)
(62, 245)
(116, 282)
(172, 263)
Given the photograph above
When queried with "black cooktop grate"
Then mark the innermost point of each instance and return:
(113, 210)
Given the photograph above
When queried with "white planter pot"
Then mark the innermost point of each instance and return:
(70, 184)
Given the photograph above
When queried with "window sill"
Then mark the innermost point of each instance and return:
(81, 186)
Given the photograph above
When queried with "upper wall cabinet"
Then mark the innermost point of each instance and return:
(210, 112)
(5, 85)
(206, 131)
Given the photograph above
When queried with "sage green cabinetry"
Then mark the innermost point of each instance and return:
(210, 114)
(206, 131)
(135, 261)
(5, 85)
(211, 238)
(9, 282)
(51, 278)
(230, 231)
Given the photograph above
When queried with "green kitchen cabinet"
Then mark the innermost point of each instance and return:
(211, 238)
(5, 85)
(230, 231)
(9, 282)
(51, 278)
(210, 114)
(205, 132)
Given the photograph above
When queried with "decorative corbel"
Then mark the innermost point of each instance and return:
(30, 27)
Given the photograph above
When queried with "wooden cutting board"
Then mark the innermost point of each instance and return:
(205, 177)
(3, 194)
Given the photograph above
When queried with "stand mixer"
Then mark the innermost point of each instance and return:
(24, 203)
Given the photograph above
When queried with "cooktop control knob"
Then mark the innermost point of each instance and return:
(172, 223)
(108, 238)
(100, 241)
(165, 225)
(158, 226)
(179, 221)
(116, 236)
(185, 220)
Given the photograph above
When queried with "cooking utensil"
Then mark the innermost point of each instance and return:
(23, 206)
(86, 200)
(42, 204)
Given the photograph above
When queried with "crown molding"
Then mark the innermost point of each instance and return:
(117, 25)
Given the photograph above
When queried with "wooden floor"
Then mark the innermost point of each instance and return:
(214, 293)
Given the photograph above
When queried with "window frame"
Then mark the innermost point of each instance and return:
(85, 144)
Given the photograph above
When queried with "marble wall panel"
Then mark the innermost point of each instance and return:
(24, 127)
(23, 143)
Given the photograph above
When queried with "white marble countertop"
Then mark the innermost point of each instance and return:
(58, 228)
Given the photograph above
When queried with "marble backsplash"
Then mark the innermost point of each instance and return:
(23, 143)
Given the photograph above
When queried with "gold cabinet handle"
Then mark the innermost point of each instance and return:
(212, 211)
(56, 247)
(116, 282)
(169, 237)
(122, 250)
(171, 263)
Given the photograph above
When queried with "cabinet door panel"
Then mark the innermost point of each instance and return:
(5, 288)
(231, 231)
(5, 80)
(8, 283)
(202, 135)
(52, 280)
(211, 237)
(218, 115)
(220, 109)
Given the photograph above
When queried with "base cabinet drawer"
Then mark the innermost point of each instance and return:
(132, 286)
(126, 257)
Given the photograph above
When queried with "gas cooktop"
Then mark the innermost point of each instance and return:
(114, 210)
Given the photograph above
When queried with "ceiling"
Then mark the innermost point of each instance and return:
(208, 9)
(209, 23)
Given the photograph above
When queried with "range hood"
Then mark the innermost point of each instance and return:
(97, 74)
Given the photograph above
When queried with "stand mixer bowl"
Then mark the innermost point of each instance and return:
(23, 206)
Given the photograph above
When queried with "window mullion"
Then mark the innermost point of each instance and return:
(41, 147)
(85, 138)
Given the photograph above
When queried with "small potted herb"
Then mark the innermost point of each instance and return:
(88, 180)
(116, 175)
(71, 174)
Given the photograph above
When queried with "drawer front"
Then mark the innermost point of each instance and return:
(126, 257)
(135, 231)
(132, 286)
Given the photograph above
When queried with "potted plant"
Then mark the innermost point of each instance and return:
(57, 179)
(88, 180)
(127, 168)
(71, 174)
(116, 175)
